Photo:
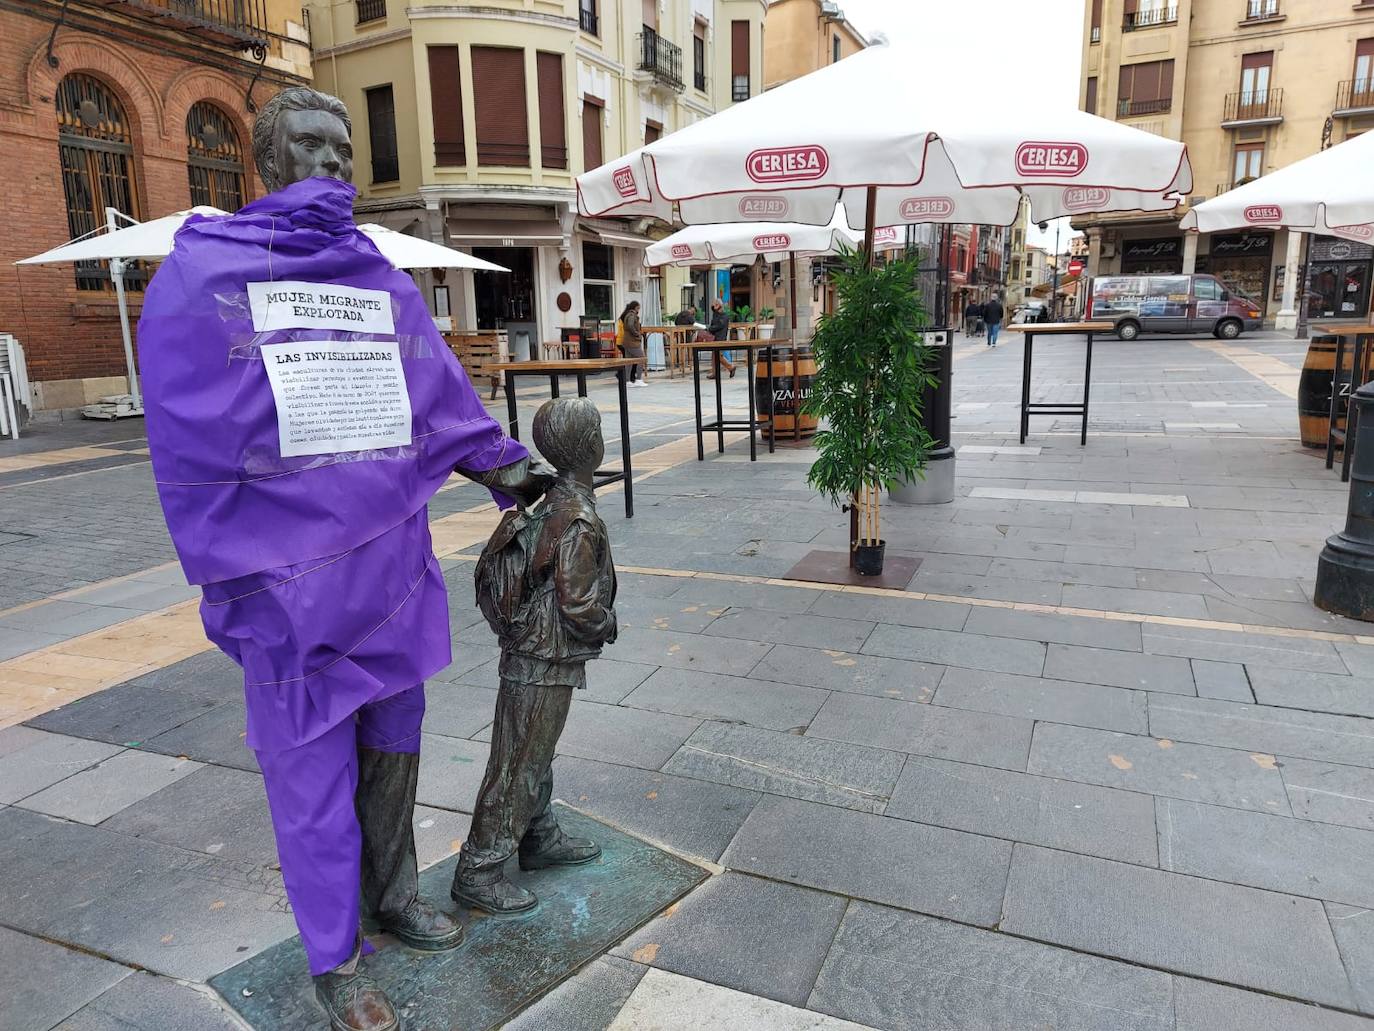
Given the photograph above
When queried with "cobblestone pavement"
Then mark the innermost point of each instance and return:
(1101, 766)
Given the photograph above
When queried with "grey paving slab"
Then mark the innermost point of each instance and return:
(893, 969)
(984, 738)
(1202, 1006)
(1132, 599)
(1330, 792)
(146, 1002)
(691, 816)
(1065, 573)
(941, 872)
(1353, 927)
(14, 642)
(217, 737)
(687, 651)
(450, 771)
(1063, 814)
(45, 760)
(805, 629)
(947, 648)
(145, 597)
(853, 776)
(114, 784)
(125, 714)
(587, 1001)
(1249, 648)
(619, 734)
(218, 811)
(477, 649)
(12, 739)
(715, 593)
(1298, 857)
(439, 833)
(844, 671)
(1058, 701)
(1285, 732)
(702, 695)
(42, 983)
(210, 675)
(1159, 766)
(896, 610)
(729, 930)
(1057, 629)
(1224, 932)
(1323, 692)
(610, 680)
(650, 613)
(1358, 658)
(1112, 668)
(457, 709)
(664, 1000)
(1226, 681)
(66, 618)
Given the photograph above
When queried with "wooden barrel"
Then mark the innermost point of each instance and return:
(1314, 391)
(774, 375)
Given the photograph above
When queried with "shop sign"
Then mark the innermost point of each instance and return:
(1328, 248)
(1242, 245)
(1152, 250)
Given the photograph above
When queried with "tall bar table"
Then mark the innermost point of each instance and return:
(1360, 334)
(1035, 329)
(722, 425)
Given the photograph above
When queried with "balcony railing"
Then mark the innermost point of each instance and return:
(1149, 18)
(1096, 36)
(243, 22)
(1130, 108)
(371, 10)
(1261, 10)
(587, 20)
(1354, 95)
(1253, 106)
(661, 59)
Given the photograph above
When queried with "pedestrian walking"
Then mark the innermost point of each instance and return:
(629, 337)
(973, 314)
(719, 328)
(992, 318)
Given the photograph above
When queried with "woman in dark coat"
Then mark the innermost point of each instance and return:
(632, 342)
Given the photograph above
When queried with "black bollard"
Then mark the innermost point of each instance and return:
(1345, 570)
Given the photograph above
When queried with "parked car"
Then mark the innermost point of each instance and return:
(1172, 304)
(1032, 311)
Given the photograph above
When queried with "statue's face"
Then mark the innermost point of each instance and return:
(312, 143)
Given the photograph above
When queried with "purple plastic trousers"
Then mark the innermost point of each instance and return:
(310, 792)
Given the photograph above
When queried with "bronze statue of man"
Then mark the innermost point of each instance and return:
(318, 573)
(546, 584)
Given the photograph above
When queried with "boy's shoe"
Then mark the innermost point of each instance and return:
(565, 851)
(355, 1002)
(501, 897)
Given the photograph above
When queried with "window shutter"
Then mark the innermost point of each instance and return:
(1097, 15)
(446, 103)
(381, 134)
(498, 83)
(553, 129)
(1090, 100)
(591, 134)
(1165, 89)
(739, 48)
(653, 131)
(651, 14)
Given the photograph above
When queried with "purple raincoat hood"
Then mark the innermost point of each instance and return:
(233, 504)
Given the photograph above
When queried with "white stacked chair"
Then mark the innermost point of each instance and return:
(15, 391)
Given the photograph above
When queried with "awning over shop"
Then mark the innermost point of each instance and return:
(470, 232)
(613, 235)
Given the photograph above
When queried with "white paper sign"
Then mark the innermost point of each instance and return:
(334, 396)
(291, 304)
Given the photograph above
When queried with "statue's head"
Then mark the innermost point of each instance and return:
(567, 432)
(299, 133)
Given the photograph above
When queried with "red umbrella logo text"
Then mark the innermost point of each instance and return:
(624, 179)
(915, 208)
(1356, 232)
(1086, 198)
(787, 164)
(1038, 158)
(1262, 214)
(682, 250)
(763, 209)
(772, 242)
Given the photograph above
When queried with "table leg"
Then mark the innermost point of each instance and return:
(720, 404)
(581, 384)
(1025, 384)
(513, 426)
(1359, 361)
(696, 387)
(772, 415)
(753, 413)
(625, 444)
(1087, 384)
(553, 384)
(1335, 408)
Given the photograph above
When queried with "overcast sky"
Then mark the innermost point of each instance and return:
(996, 51)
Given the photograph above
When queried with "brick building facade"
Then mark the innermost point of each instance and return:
(142, 105)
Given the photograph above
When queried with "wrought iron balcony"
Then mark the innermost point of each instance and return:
(241, 22)
(661, 59)
(1253, 106)
(1261, 10)
(587, 20)
(370, 10)
(1149, 18)
(1130, 108)
(1354, 96)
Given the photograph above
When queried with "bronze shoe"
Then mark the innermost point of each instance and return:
(354, 1002)
(423, 926)
(564, 851)
(499, 897)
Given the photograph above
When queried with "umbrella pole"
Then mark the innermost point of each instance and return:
(117, 274)
(870, 232)
(796, 340)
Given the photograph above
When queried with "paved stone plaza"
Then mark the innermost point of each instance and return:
(1102, 766)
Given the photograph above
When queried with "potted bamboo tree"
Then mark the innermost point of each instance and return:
(870, 383)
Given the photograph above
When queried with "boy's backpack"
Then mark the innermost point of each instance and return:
(503, 571)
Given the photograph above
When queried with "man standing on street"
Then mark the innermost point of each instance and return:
(992, 317)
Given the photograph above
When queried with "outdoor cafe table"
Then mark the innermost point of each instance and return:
(722, 425)
(1359, 332)
(580, 368)
(1035, 329)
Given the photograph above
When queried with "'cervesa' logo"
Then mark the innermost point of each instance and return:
(772, 242)
(1039, 158)
(1086, 198)
(624, 179)
(1357, 232)
(763, 208)
(787, 164)
(1263, 214)
(682, 250)
(915, 208)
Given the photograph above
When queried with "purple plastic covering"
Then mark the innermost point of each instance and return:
(318, 573)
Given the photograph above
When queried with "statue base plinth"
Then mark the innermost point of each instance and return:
(506, 963)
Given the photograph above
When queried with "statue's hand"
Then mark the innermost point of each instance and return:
(525, 480)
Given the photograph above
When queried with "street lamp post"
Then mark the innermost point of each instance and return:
(1054, 283)
(1345, 570)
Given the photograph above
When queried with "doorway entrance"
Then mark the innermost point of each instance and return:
(1340, 289)
(503, 298)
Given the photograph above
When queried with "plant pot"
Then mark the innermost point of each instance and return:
(868, 559)
(766, 332)
(741, 334)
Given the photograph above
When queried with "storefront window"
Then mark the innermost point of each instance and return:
(598, 280)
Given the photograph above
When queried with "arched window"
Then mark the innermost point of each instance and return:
(214, 158)
(97, 154)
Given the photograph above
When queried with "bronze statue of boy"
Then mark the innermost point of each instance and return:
(546, 584)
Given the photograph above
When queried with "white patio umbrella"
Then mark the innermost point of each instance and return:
(154, 239)
(881, 125)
